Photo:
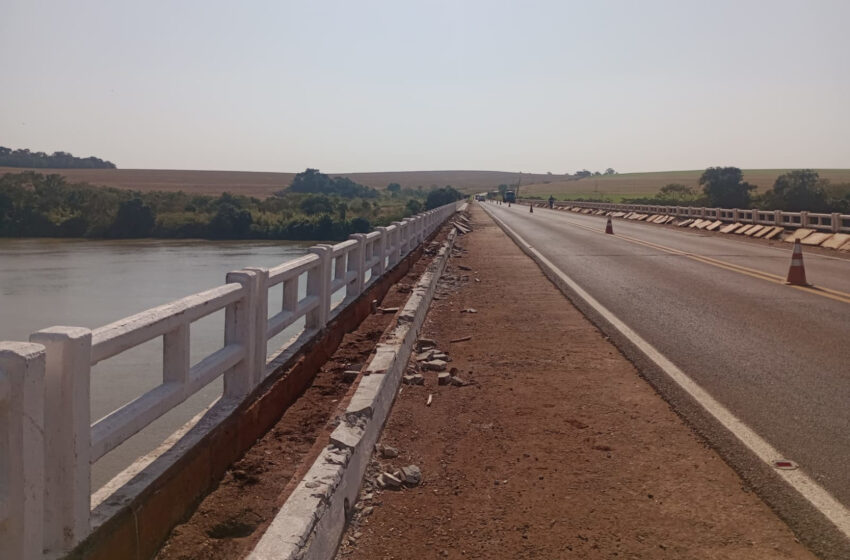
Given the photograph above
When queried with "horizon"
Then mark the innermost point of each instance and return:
(379, 87)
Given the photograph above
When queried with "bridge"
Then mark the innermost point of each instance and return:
(755, 366)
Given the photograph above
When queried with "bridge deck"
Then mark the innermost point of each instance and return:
(556, 447)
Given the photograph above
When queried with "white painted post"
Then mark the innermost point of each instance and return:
(319, 284)
(804, 219)
(836, 222)
(67, 429)
(239, 327)
(395, 256)
(21, 450)
(381, 244)
(261, 318)
(357, 263)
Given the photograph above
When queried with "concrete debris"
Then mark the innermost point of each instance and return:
(374, 306)
(389, 309)
(388, 452)
(415, 379)
(461, 339)
(434, 365)
(424, 356)
(350, 375)
(412, 475)
(430, 399)
(386, 480)
(469, 310)
(437, 355)
(463, 267)
(424, 344)
(458, 381)
(444, 378)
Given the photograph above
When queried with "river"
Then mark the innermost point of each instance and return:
(47, 282)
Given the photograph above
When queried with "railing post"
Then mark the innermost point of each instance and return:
(262, 319)
(22, 460)
(357, 263)
(67, 435)
(804, 219)
(381, 249)
(239, 328)
(836, 222)
(319, 285)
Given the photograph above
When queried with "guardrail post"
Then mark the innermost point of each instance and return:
(67, 435)
(357, 263)
(22, 460)
(239, 328)
(262, 319)
(804, 219)
(319, 285)
(836, 222)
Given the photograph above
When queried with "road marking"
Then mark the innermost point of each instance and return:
(816, 495)
(836, 295)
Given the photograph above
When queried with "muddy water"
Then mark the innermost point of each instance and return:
(92, 283)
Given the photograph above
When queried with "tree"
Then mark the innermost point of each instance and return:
(583, 174)
(134, 219)
(317, 204)
(441, 197)
(725, 188)
(413, 206)
(229, 222)
(610, 171)
(394, 188)
(801, 189)
(676, 191)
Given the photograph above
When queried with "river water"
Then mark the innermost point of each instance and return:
(47, 282)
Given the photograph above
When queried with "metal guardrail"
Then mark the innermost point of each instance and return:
(834, 222)
(47, 440)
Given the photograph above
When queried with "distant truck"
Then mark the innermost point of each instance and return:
(510, 196)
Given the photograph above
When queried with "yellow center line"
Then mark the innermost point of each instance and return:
(769, 277)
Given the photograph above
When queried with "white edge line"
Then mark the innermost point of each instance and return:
(822, 500)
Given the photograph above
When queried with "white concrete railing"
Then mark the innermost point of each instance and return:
(47, 440)
(834, 222)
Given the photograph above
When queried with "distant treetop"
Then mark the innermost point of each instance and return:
(56, 160)
(315, 182)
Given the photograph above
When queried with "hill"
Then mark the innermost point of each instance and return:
(264, 184)
(646, 184)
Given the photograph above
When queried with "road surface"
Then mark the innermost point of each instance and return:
(778, 357)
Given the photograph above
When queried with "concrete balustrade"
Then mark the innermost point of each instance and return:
(47, 439)
(835, 223)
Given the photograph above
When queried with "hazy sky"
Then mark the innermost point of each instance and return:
(394, 85)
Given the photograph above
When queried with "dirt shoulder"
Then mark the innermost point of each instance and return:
(556, 447)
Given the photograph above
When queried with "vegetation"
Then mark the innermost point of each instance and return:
(315, 207)
(723, 187)
(56, 160)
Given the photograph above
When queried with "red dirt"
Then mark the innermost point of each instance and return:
(556, 449)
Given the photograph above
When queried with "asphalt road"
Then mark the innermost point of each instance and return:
(778, 357)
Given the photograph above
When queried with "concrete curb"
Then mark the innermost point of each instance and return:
(311, 522)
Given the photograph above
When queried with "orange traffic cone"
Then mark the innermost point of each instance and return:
(530, 208)
(609, 227)
(797, 272)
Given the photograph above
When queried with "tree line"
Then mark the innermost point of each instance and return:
(724, 187)
(37, 205)
(56, 160)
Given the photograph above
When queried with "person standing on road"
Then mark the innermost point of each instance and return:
(551, 201)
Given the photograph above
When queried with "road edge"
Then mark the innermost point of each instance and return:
(814, 527)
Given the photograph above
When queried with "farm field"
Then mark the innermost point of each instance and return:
(264, 184)
(622, 185)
